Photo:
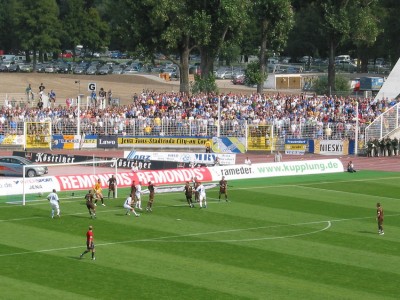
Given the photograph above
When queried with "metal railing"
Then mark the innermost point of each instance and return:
(384, 124)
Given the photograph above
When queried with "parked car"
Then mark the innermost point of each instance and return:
(13, 68)
(40, 67)
(3, 68)
(131, 71)
(63, 68)
(224, 74)
(26, 68)
(50, 69)
(104, 70)
(238, 79)
(92, 70)
(67, 54)
(13, 166)
(118, 70)
(79, 70)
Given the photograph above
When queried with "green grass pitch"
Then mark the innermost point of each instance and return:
(305, 237)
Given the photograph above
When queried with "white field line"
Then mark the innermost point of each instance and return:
(166, 238)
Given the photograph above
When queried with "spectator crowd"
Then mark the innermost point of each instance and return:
(174, 113)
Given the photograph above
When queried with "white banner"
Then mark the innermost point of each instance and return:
(306, 167)
(331, 147)
(195, 158)
(14, 186)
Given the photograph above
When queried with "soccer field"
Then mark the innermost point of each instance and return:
(304, 237)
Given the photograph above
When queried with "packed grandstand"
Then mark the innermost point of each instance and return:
(175, 114)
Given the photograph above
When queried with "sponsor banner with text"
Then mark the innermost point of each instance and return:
(89, 141)
(331, 147)
(66, 141)
(195, 158)
(292, 168)
(14, 186)
(295, 146)
(107, 141)
(132, 141)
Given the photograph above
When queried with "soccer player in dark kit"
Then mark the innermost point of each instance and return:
(189, 193)
(151, 189)
(112, 182)
(223, 189)
(379, 218)
(90, 205)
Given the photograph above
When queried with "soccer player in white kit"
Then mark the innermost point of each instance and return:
(138, 195)
(128, 206)
(202, 195)
(55, 203)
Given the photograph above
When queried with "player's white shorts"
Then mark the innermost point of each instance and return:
(202, 197)
(127, 206)
(55, 206)
(137, 196)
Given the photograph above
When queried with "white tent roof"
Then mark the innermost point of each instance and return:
(391, 87)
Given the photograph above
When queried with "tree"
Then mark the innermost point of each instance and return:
(338, 20)
(365, 29)
(71, 14)
(7, 24)
(94, 31)
(275, 20)
(391, 28)
(38, 26)
(221, 24)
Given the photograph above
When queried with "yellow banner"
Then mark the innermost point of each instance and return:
(295, 147)
(161, 141)
(38, 135)
(260, 137)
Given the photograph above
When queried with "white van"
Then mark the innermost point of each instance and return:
(8, 58)
(343, 58)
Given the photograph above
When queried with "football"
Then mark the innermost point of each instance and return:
(40, 194)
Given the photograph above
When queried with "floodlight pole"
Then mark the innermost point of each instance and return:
(219, 118)
(356, 133)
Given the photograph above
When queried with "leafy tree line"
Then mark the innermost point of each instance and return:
(210, 28)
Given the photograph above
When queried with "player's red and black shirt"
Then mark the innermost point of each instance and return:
(379, 213)
(222, 186)
(151, 188)
(112, 182)
(89, 238)
(188, 190)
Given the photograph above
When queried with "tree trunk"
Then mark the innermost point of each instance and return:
(206, 62)
(331, 68)
(184, 70)
(34, 59)
(264, 26)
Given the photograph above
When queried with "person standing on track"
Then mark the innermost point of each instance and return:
(207, 144)
(90, 205)
(89, 243)
(112, 183)
(379, 218)
(55, 203)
